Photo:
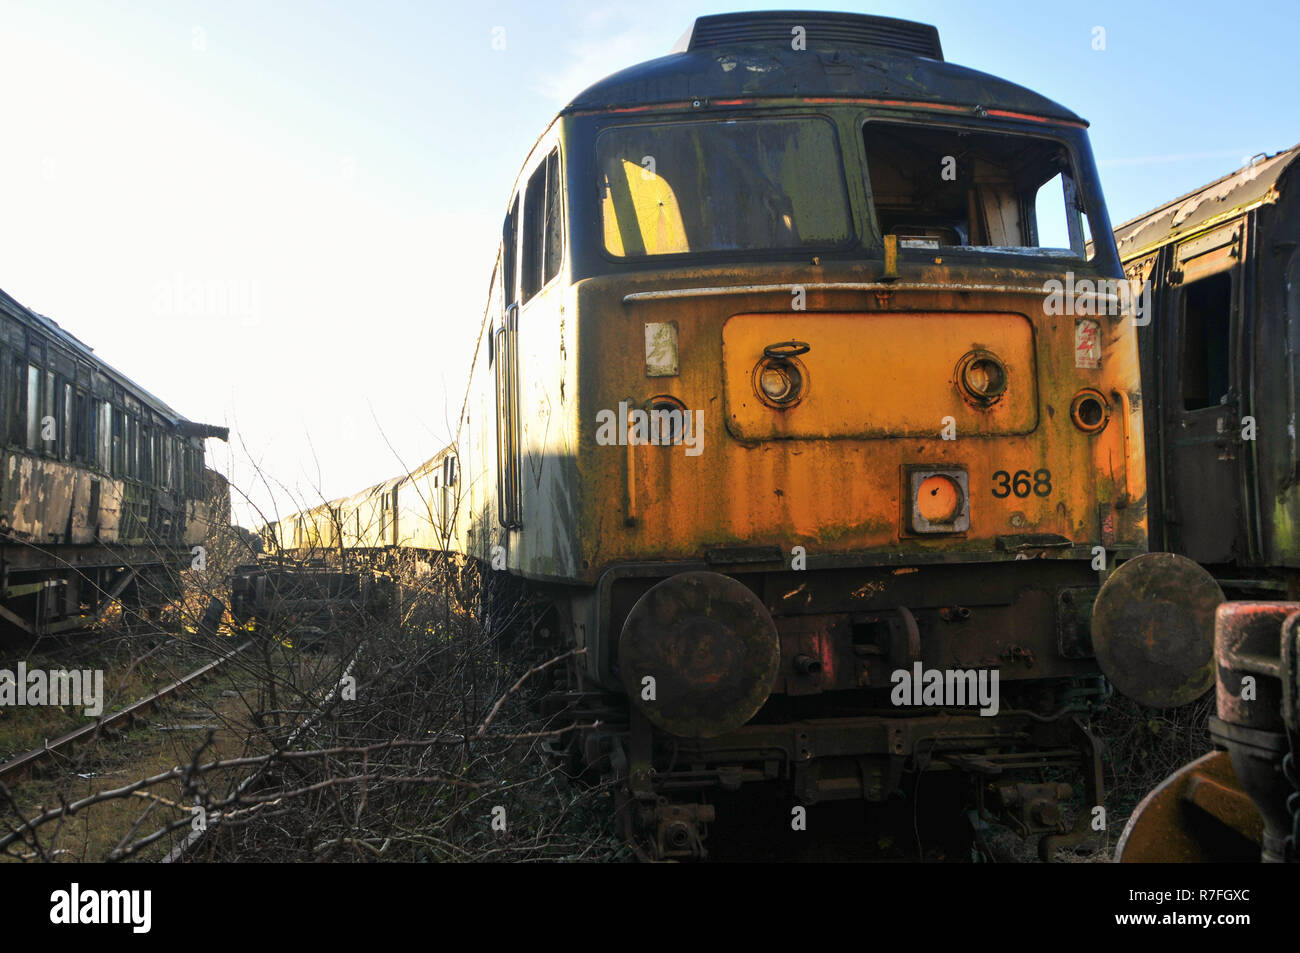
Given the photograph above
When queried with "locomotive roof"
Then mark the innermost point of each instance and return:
(25, 315)
(1225, 197)
(750, 55)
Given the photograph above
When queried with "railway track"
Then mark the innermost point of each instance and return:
(24, 762)
(196, 836)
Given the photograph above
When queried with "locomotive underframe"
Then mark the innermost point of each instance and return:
(1014, 763)
(1026, 618)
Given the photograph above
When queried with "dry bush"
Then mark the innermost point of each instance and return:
(440, 741)
(1143, 747)
(438, 749)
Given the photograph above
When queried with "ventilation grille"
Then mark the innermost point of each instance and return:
(822, 30)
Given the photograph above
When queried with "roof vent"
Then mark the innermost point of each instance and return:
(821, 30)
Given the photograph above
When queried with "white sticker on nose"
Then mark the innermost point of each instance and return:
(661, 349)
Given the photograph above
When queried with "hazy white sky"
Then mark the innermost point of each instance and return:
(282, 217)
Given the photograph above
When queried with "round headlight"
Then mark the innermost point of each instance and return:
(1090, 411)
(779, 381)
(982, 376)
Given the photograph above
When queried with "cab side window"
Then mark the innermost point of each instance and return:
(543, 226)
(510, 253)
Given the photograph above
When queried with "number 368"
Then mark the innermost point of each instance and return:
(1021, 483)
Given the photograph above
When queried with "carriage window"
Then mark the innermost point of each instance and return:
(119, 437)
(935, 186)
(67, 439)
(49, 416)
(33, 407)
(81, 425)
(1207, 318)
(16, 422)
(103, 434)
(731, 185)
(132, 447)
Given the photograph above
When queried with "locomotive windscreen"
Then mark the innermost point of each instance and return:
(671, 188)
(945, 185)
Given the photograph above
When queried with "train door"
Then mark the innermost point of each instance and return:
(1201, 413)
(505, 350)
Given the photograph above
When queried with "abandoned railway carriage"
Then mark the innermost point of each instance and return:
(783, 405)
(104, 487)
(1219, 358)
(1219, 365)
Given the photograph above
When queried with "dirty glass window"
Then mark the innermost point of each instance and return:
(119, 458)
(80, 423)
(67, 437)
(16, 428)
(33, 407)
(542, 236)
(48, 409)
(938, 186)
(534, 203)
(736, 185)
(554, 232)
(104, 434)
(132, 447)
(510, 249)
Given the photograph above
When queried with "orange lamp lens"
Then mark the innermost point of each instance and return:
(938, 500)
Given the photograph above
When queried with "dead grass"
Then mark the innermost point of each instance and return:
(147, 749)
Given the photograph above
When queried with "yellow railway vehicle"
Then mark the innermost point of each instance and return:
(808, 392)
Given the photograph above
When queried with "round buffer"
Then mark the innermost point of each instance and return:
(1153, 629)
(711, 647)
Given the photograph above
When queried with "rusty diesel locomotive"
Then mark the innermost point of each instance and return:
(1219, 356)
(104, 487)
(808, 396)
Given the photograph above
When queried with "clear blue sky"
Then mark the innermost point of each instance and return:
(331, 176)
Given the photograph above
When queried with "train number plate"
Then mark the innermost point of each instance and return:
(1022, 483)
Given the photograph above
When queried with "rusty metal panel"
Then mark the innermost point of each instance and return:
(880, 375)
(647, 501)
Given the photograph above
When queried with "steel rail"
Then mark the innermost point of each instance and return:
(127, 714)
(196, 835)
